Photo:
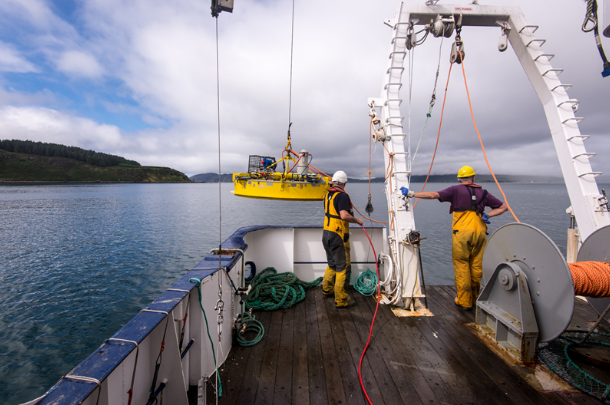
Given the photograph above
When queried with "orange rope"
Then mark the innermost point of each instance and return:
(439, 133)
(482, 147)
(591, 279)
(365, 217)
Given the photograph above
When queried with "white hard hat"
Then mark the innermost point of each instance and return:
(340, 177)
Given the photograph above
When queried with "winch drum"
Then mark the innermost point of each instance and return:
(548, 276)
(596, 248)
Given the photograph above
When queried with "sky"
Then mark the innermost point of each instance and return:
(138, 79)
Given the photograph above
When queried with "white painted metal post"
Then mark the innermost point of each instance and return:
(558, 107)
(398, 162)
(569, 143)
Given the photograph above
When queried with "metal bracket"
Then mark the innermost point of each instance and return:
(505, 312)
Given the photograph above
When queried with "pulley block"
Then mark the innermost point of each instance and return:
(457, 52)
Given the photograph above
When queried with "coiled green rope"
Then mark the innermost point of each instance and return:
(251, 325)
(366, 283)
(271, 291)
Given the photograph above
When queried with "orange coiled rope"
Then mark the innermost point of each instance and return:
(591, 279)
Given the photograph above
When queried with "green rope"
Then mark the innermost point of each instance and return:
(366, 283)
(251, 325)
(208, 330)
(556, 356)
(272, 291)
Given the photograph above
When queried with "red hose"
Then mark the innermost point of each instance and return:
(372, 323)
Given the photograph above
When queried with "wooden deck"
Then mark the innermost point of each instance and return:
(310, 355)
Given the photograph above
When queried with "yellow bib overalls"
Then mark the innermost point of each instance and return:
(336, 244)
(467, 248)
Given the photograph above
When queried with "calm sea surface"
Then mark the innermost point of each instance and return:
(78, 261)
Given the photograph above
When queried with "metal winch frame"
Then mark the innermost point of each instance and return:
(529, 292)
(587, 202)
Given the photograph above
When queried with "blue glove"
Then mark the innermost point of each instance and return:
(485, 218)
(405, 191)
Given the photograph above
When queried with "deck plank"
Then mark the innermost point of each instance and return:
(435, 370)
(349, 370)
(352, 321)
(517, 389)
(310, 355)
(382, 373)
(233, 369)
(300, 375)
(283, 380)
(249, 384)
(332, 371)
(404, 362)
(266, 381)
(412, 372)
(484, 389)
(315, 365)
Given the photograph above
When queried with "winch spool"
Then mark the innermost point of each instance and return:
(596, 248)
(529, 288)
(548, 276)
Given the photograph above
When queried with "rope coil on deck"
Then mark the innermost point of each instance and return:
(591, 279)
(271, 291)
(366, 283)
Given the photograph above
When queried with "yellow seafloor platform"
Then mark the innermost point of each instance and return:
(276, 188)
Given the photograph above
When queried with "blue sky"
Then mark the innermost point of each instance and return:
(137, 78)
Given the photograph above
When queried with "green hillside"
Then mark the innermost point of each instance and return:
(16, 167)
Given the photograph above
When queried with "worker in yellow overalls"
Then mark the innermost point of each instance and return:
(468, 202)
(335, 238)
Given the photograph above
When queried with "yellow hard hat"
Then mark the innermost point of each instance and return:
(466, 171)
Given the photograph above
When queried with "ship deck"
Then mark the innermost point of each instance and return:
(310, 355)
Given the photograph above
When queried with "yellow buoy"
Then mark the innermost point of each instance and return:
(276, 188)
(262, 181)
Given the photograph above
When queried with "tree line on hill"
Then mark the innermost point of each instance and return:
(70, 152)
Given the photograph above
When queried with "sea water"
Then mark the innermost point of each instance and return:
(79, 261)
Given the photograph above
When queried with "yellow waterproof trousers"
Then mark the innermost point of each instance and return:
(467, 248)
(339, 269)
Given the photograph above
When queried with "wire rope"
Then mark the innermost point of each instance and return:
(440, 124)
(290, 91)
(481, 141)
(218, 124)
(432, 101)
(219, 383)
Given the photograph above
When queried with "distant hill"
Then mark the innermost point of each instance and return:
(22, 167)
(212, 178)
(442, 178)
(70, 152)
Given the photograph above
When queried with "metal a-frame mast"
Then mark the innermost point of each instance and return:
(589, 207)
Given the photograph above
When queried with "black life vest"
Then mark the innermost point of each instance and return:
(474, 203)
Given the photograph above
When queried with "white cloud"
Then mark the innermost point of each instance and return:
(12, 61)
(48, 125)
(163, 53)
(80, 64)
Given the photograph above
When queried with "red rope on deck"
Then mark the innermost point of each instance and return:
(591, 279)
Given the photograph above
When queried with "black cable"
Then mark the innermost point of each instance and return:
(591, 16)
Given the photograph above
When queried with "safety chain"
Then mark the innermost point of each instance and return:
(220, 305)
